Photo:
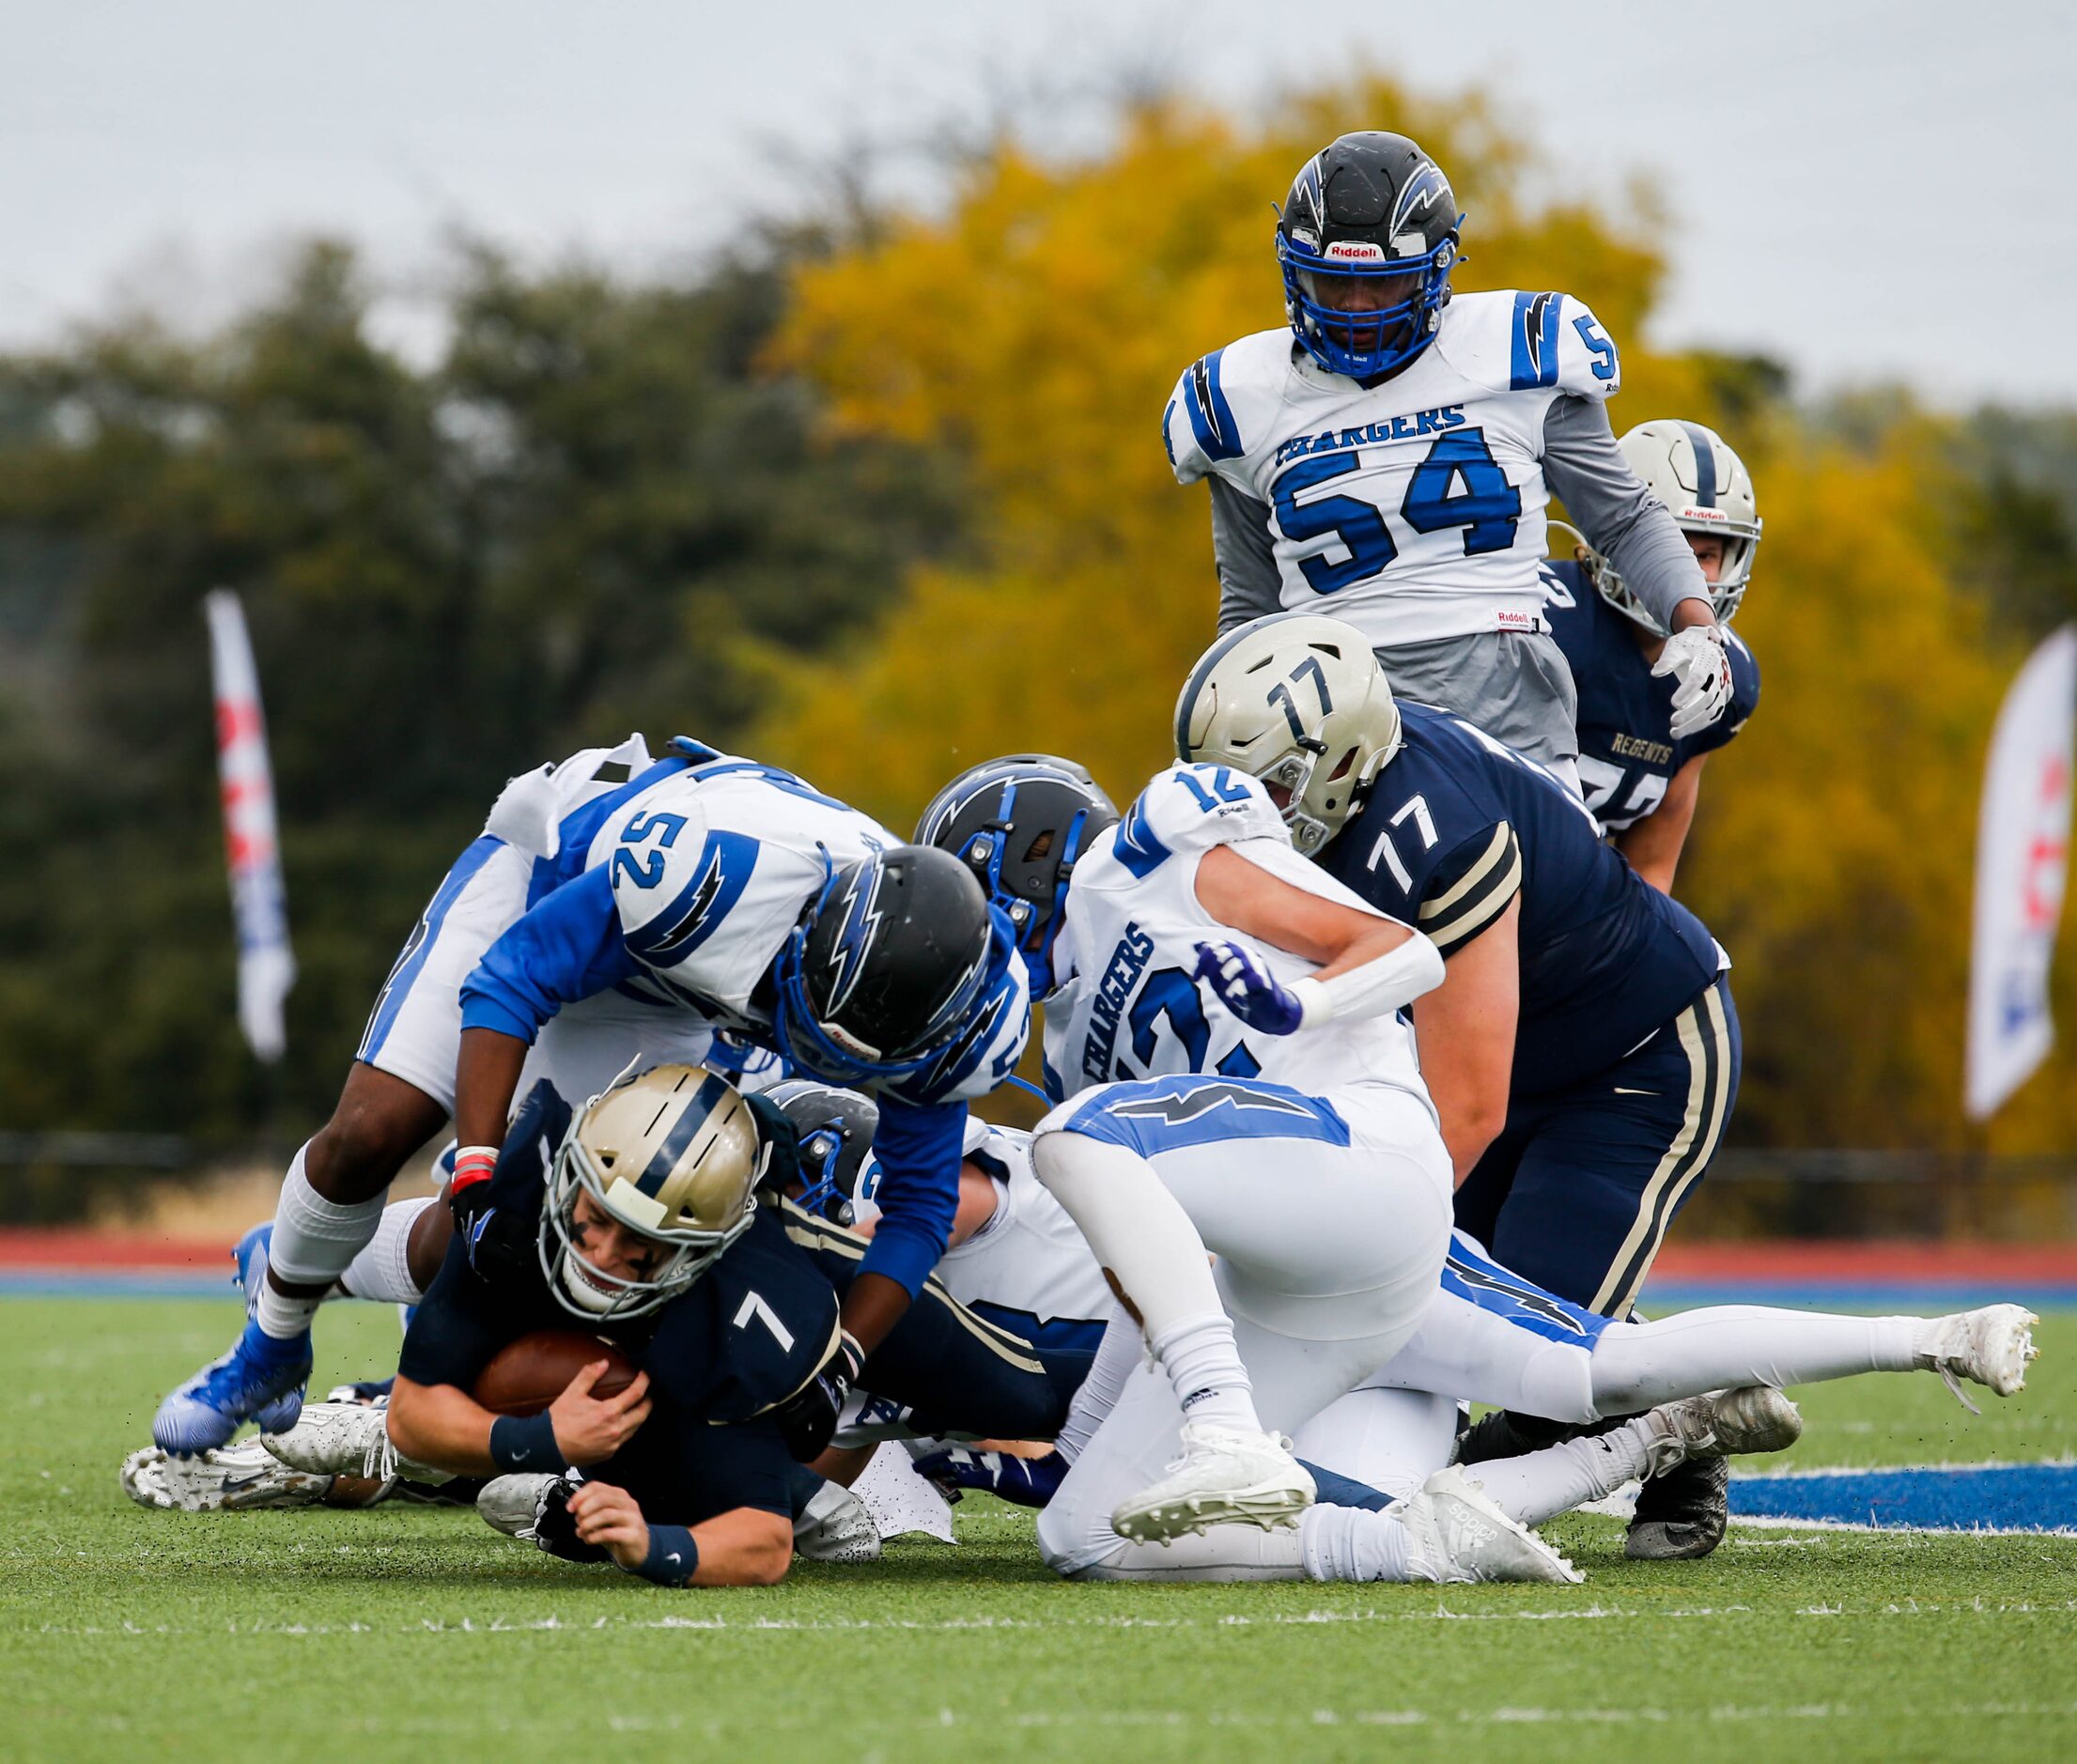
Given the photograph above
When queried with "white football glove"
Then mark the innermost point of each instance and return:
(1699, 661)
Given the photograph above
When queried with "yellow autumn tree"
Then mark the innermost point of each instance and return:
(1036, 326)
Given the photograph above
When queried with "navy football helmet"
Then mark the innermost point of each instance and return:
(1020, 824)
(836, 1129)
(1367, 240)
(883, 968)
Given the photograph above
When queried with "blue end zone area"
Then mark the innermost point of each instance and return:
(1976, 1497)
(1887, 1297)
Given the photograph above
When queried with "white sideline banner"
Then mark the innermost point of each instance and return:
(2022, 841)
(266, 965)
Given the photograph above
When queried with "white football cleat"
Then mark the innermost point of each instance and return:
(348, 1439)
(229, 1478)
(1456, 1534)
(1991, 1347)
(1721, 1424)
(511, 1503)
(836, 1527)
(1226, 1476)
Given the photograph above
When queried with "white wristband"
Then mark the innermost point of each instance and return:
(1376, 989)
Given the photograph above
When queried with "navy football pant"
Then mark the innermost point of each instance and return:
(1578, 1190)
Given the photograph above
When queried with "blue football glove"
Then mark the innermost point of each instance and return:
(1240, 982)
(1024, 1482)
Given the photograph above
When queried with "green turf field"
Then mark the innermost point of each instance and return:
(401, 1634)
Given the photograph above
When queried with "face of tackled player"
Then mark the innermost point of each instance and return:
(623, 1255)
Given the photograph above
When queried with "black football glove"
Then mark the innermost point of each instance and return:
(496, 1240)
(808, 1418)
(555, 1531)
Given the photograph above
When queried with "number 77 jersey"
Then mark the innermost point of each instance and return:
(1128, 1005)
(1413, 508)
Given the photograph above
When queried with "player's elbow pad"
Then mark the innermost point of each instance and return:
(1377, 988)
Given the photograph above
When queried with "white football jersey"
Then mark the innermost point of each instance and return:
(1414, 509)
(1128, 1007)
(728, 843)
(1029, 1267)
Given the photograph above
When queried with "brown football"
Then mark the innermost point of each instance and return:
(526, 1375)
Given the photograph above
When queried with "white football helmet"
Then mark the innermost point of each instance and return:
(673, 1153)
(1694, 474)
(1299, 702)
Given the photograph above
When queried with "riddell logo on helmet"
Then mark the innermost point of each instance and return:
(1355, 251)
(1704, 514)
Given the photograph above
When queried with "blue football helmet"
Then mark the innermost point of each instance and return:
(1367, 240)
(1020, 825)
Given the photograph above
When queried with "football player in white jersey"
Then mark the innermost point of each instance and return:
(1387, 458)
(1172, 1116)
(704, 894)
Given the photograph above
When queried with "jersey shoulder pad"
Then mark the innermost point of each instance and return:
(673, 877)
(1222, 404)
(1193, 808)
(1526, 340)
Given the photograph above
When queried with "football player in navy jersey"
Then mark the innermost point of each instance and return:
(1640, 780)
(643, 1223)
(1583, 1050)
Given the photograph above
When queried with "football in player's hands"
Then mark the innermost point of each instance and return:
(1241, 982)
(1699, 660)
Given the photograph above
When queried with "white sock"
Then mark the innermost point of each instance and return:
(1638, 1365)
(1352, 1543)
(382, 1271)
(1539, 1485)
(1140, 1232)
(315, 1240)
(1224, 1553)
(1117, 1353)
(1203, 1365)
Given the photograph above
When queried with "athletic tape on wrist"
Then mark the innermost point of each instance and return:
(473, 1164)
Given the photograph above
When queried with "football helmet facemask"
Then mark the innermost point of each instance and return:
(1299, 701)
(883, 968)
(1366, 241)
(1705, 484)
(672, 1153)
(1020, 825)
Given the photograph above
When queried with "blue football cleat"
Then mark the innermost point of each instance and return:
(259, 1380)
(250, 1254)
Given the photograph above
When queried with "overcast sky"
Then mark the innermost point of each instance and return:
(1867, 190)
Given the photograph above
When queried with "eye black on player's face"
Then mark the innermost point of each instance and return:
(612, 1247)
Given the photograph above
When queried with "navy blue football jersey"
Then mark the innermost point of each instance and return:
(1457, 825)
(1627, 752)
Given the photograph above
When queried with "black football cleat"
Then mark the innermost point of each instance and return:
(1681, 1514)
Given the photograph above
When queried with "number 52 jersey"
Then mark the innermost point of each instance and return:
(1413, 508)
(1129, 1006)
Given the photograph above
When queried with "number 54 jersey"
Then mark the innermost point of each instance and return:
(1413, 508)
(1128, 1007)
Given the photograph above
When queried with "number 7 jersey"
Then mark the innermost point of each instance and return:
(1413, 508)
(1128, 1007)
